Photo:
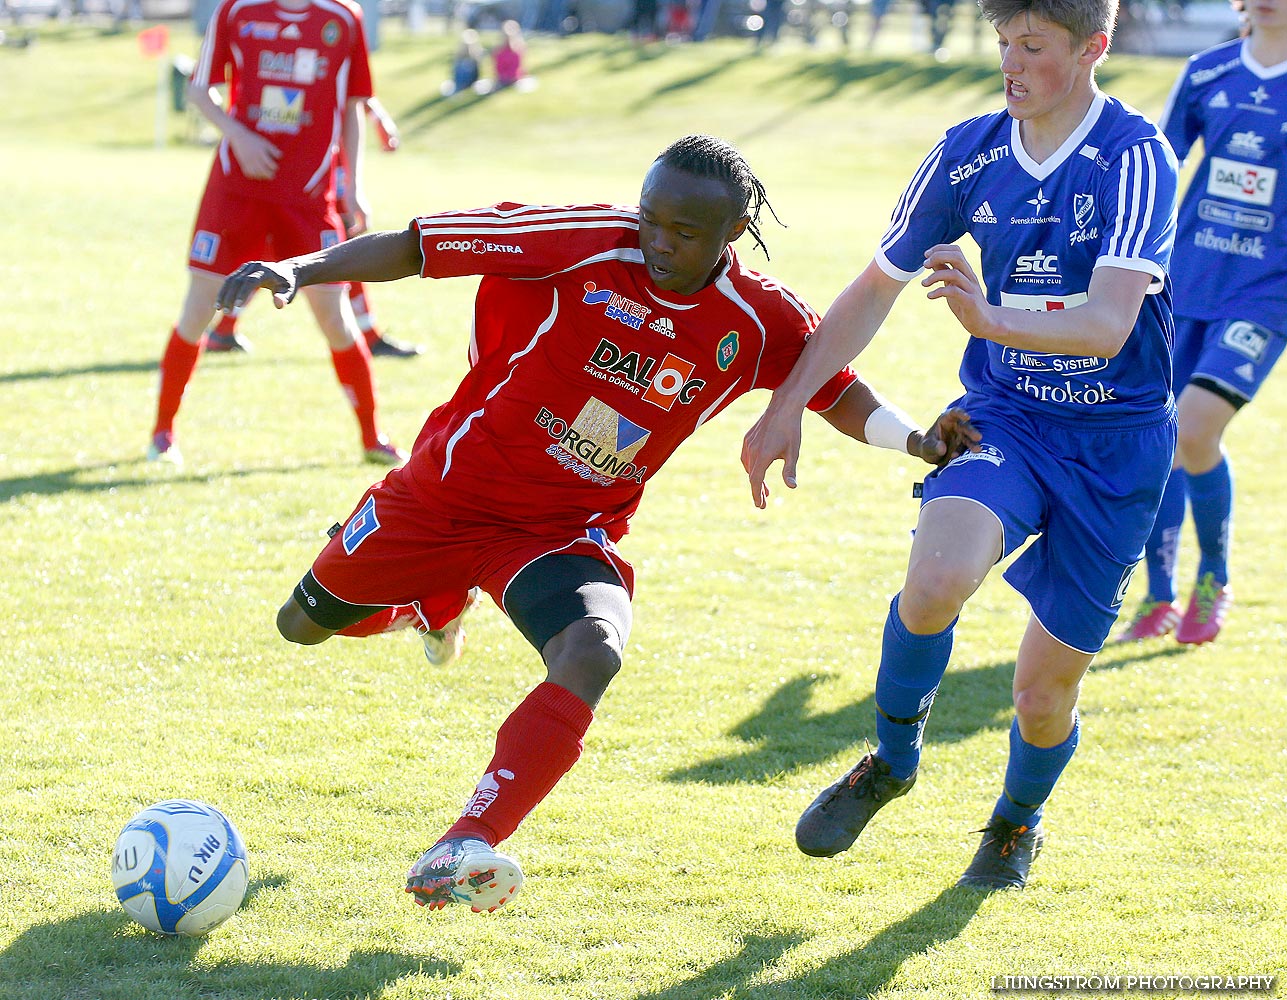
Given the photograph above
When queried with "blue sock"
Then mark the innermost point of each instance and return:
(1211, 496)
(1030, 775)
(1163, 543)
(911, 667)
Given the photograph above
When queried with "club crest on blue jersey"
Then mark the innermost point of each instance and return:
(616, 306)
(1083, 206)
(361, 526)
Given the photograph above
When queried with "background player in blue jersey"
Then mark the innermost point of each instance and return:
(1230, 274)
(1070, 197)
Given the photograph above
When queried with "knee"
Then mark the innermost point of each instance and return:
(297, 627)
(932, 596)
(1195, 445)
(584, 658)
(1045, 712)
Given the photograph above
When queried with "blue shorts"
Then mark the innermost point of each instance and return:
(1089, 493)
(1230, 357)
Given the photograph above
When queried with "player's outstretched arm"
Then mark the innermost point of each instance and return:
(862, 414)
(383, 256)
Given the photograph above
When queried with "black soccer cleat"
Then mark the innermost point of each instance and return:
(835, 818)
(1004, 857)
(227, 343)
(386, 347)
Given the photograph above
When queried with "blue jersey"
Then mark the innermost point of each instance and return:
(1232, 238)
(1105, 198)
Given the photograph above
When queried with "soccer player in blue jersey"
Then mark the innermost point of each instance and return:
(1230, 275)
(1070, 197)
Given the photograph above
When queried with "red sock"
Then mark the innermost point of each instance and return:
(535, 747)
(227, 324)
(353, 369)
(363, 312)
(385, 620)
(177, 365)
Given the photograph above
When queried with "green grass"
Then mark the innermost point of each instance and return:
(136, 605)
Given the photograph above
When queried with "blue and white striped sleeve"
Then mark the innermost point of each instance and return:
(1141, 230)
(920, 219)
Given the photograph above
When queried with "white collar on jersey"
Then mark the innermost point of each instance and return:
(1263, 72)
(1040, 171)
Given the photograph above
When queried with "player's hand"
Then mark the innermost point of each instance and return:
(356, 213)
(774, 436)
(386, 128)
(279, 278)
(355, 223)
(952, 279)
(257, 156)
(951, 436)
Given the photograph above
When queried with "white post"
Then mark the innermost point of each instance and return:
(162, 96)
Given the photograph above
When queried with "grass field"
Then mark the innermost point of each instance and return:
(136, 604)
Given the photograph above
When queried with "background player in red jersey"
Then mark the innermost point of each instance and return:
(223, 336)
(603, 337)
(297, 74)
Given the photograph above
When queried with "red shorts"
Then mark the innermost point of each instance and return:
(394, 550)
(233, 228)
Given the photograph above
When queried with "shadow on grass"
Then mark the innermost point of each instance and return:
(105, 956)
(868, 970)
(142, 367)
(910, 77)
(106, 477)
(1118, 655)
(784, 735)
(107, 368)
(863, 972)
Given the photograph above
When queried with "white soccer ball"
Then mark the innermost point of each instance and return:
(180, 867)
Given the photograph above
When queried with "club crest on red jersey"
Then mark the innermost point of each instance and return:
(727, 350)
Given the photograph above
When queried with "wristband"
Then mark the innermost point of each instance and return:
(889, 427)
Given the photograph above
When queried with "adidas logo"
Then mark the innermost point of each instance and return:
(984, 214)
(664, 326)
(1221, 100)
(1247, 371)
(291, 31)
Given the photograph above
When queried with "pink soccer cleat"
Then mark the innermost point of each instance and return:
(1207, 610)
(1153, 620)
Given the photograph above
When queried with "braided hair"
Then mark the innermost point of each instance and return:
(707, 156)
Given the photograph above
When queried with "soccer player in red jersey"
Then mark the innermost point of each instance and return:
(298, 75)
(603, 337)
(223, 336)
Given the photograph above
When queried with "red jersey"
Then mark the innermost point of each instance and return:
(585, 376)
(290, 75)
